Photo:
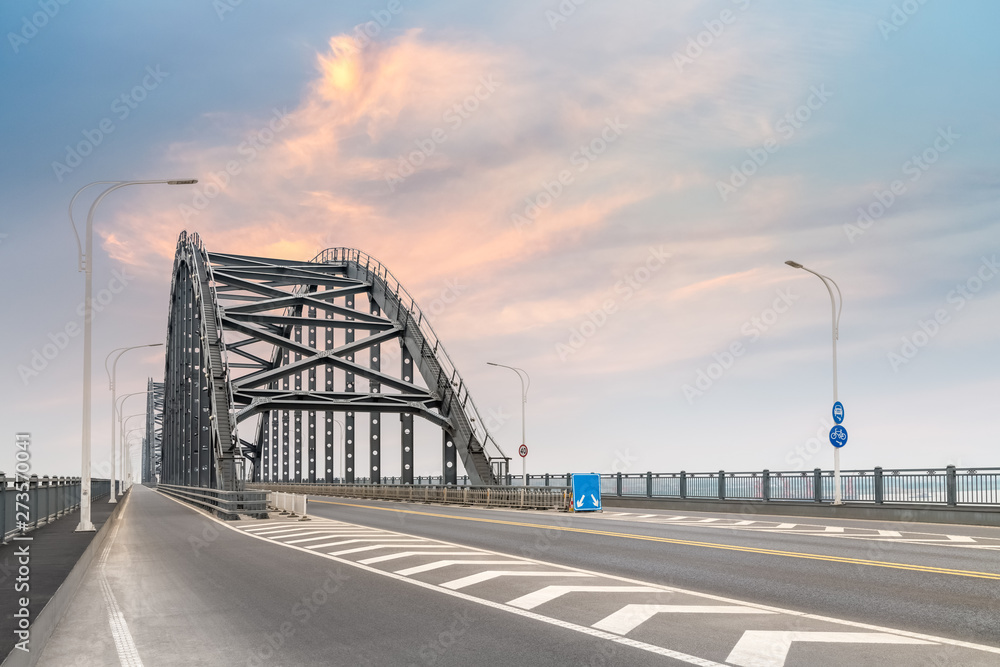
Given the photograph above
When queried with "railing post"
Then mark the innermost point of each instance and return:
(684, 485)
(43, 498)
(766, 485)
(618, 490)
(722, 485)
(817, 485)
(546, 479)
(879, 489)
(33, 499)
(3, 506)
(649, 484)
(952, 486)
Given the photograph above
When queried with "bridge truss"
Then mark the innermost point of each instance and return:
(278, 348)
(151, 442)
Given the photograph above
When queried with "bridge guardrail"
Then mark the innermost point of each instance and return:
(48, 499)
(949, 486)
(225, 504)
(554, 497)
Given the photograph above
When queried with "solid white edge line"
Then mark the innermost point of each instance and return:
(707, 596)
(128, 654)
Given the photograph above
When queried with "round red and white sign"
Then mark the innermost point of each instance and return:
(522, 450)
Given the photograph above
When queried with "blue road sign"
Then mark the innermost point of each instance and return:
(838, 436)
(838, 412)
(586, 492)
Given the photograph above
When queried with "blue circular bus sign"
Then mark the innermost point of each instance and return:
(838, 412)
(838, 436)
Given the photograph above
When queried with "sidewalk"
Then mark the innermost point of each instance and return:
(54, 550)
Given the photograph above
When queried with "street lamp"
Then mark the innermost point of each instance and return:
(112, 376)
(524, 400)
(125, 434)
(836, 305)
(127, 446)
(86, 264)
(120, 407)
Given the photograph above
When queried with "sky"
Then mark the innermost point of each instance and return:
(603, 194)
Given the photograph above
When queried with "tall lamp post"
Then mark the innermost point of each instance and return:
(121, 406)
(126, 458)
(86, 264)
(112, 377)
(836, 305)
(524, 401)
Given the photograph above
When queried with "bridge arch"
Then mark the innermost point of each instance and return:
(262, 354)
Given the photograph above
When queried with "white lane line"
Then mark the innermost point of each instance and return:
(549, 593)
(480, 577)
(706, 520)
(427, 567)
(645, 516)
(407, 554)
(889, 533)
(960, 538)
(785, 526)
(631, 616)
(770, 649)
(373, 547)
(128, 654)
(746, 523)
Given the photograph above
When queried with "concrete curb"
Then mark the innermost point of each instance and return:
(967, 516)
(45, 623)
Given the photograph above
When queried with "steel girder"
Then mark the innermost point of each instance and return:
(296, 338)
(199, 446)
(151, 443)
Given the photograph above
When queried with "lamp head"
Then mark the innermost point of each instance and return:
(794, 265)
(187, 181)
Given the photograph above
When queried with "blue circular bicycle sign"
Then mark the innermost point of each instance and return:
(838, 436)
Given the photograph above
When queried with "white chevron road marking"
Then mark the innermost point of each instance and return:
(408, 554)
(480, 577)
(438, 564)
(549, 593)
(770, 649)
(631, 616)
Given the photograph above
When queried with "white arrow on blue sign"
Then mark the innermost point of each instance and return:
(838, 436)
(838, 412)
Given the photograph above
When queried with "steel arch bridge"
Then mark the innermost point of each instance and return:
(263, 353)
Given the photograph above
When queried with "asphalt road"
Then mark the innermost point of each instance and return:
(960, 606)
(366, 583)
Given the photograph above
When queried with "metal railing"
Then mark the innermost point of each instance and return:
(37, 501)
(225, 504)
(481, 496)
(948, 486)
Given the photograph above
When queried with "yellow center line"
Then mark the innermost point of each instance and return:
(691, 543)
